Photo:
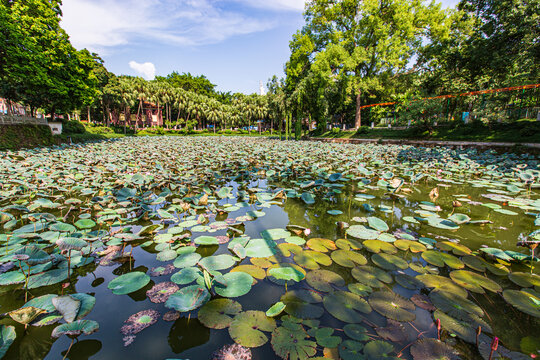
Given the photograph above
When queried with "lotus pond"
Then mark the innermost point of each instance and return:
(239, 248)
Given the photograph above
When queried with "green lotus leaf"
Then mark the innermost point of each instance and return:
(377, 224)
(378, 350)
(362, 232)
(389, 262)
(187, 260)
(457, 249)
(441, 223)
(371, 276)
(325, 339)
(11, 278)
(286, 273)
(455, 305)
(308, 198)
(408, 282)
(293, 343)
(376, 246)
(334, 212)
(523, 301)
(67, 306)
(275, 234)
(496, 253)
(441, 259)
(32, 254)
(356, 332)
(348, 258)
(392, 306)
(441, 283)
(238, 284)
(43, 302)
(47, 278)
(351, 350)
(459, 218)
(8, 335)
(217, 262)
(275, 309)
(321, 245)
(524, 279)
(70, 243)
(219, 313)
(206, 240)
(247, 328)
(87, 304)
(85, 224)
(76, 328)
(465, 330)
(166, 255)
(474, 282)
(346, 306)
(287, 249)
(408, 245)
(260, 248)
(324, 280)
(428, 349)
(255, 271)
(474, 262)
(128, 283)
(188, 298)
(187, 276)
(62, 227)
(309, 259)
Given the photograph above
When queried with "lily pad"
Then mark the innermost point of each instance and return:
(392, 306)
(188, 298)
(128, 283)
(238, 284)
(247, 328)
(219, 313)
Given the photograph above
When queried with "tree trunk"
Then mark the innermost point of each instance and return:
(89, 114)
(358, 117)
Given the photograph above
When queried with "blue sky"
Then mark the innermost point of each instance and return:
(235, 43)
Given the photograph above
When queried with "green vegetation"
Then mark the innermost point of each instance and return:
(13, 137)
(523, 130)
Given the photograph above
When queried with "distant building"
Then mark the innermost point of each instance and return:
(18, 109)
(261, 89)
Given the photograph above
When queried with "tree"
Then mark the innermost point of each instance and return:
(197, 84)
(367, 41)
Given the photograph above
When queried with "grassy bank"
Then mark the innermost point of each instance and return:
(523, 131)
(14, 137)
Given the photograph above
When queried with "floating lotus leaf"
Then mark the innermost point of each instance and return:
(300, 308)
(392, 306)
(286, 273)
(378, 350)
(362, 232)
(348, 258)
(217, 262)
(261, 248)
(275, 234)
(128, 283)
(371, 276)
(459, 218)
(255, 271)
(187, 276)
(286, 249)
(85, 224)
(188, 298)
(321, 245)
(524, 279)
(166, 255)
(276, 309)
(441, 283)
(457, 249)
(187, 260)
(76, 328)
(345, 306)
(12, 277)
(334, 212)
(407, 281)
(67, 306)
(356, 332)
(292, 343)
(324, 338)
(247, 328)
(408, 245)
(377, 224)
(454, 305)
(7, 336)
(496, 253)
(474, 262)
(238, 284)
(423, 302)
(219, 313)
(295, 240)
(47, 278)
(462, 329)
(431, 349)
(389, 262)
(349, 244)
(71, 243)
(523, 301)
(324, 280)
(376, 246)
(25, 315)
(359, 289)
(474, 282)
(206, 240)
(311, 259)
(441, 223)
(441, 259)
(308, 198)
(351, 350)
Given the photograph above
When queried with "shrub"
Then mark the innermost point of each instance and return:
(363, 130)
(72, 127)
(336, 130)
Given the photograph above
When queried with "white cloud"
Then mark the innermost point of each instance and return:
(147, 69)
(286, 5)
(101, 24)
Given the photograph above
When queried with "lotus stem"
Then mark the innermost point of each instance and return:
(69, 264)
(478, 332)
(438, 322)
(69, 348)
